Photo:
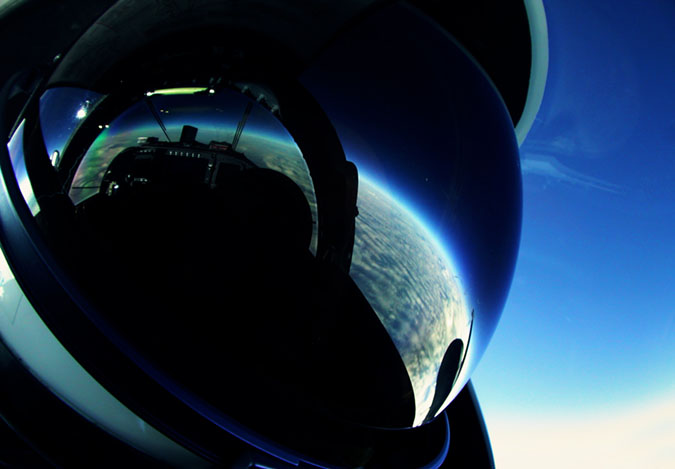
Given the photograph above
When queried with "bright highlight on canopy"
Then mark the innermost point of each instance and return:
(176, 91)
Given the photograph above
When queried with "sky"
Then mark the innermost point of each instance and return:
(581, 369)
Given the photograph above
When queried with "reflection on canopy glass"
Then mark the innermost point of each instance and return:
(439, 193)
(263, 141)
(412, 286)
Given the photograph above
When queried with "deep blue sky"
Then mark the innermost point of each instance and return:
(588, 329)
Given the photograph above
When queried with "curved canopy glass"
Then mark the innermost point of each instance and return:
(343, 240)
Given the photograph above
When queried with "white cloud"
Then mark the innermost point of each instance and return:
(550, 167)
(642, 436)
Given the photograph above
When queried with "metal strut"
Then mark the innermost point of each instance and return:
(157, 117)
(240, 127)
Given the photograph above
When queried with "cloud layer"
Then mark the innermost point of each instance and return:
(628, 438)
(550, 167)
